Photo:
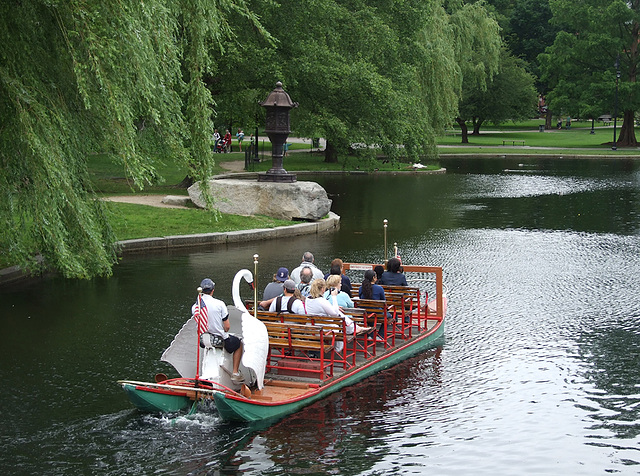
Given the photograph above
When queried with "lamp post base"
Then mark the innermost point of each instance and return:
(279, 178)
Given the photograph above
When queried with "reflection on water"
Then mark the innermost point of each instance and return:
(342, 434)
(538, 373)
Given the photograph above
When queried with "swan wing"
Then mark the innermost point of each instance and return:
(182, 353)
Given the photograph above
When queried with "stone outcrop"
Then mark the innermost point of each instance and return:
(298, 200)
(176, 200)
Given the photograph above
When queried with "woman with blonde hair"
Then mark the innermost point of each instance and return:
(317, 305)
(344, 300)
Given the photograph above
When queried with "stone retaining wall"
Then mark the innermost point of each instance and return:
(203, 239)
(331, 223)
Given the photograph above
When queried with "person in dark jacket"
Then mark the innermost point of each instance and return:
(393, 276)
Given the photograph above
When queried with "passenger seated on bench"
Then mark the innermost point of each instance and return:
(337, 266)
(369, 289)
(393, 275)
(379, 271)
(317, 305)
(306, 276)
(344, 300)
(273, 289)
(307, 262)
(288, 302)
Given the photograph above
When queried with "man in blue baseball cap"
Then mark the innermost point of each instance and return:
(218, 324)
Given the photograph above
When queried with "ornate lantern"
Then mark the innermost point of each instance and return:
(278, 105)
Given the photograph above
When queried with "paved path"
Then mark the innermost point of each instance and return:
(151, 200)
(233, 165)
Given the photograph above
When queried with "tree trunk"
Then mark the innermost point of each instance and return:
(477, 123)
(186, 183)
(330, 153)
(547, 120)
(627, 136)
(463, 130)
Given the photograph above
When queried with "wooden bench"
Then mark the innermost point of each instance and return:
(334, 327)
(305, 339)
(412, 303)
(412, 298)
(513, 142)
(375, 315)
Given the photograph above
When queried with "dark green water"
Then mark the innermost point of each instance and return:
(539, 372)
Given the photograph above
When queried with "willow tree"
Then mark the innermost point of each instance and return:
(360, 71)
(478, 47)
(509, 95)
(580, 66)
(82, 77)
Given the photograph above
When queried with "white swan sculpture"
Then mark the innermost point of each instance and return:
(254, 333)
(215, 363)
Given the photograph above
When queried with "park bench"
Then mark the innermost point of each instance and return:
(512, 142)
(401, 306)
(605, 119)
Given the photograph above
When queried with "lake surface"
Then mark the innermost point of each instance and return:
(539, 372)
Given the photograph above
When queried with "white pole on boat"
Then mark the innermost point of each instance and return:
(385, 240)
(255, 286)
(199, 304)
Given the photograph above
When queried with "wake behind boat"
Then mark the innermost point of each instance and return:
(291, 361)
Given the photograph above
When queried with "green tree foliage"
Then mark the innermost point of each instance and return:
(530, 30)
(478, 46)
(146, 81)
(510, 95)
(79, 77)
(579, 66)
(359, 71)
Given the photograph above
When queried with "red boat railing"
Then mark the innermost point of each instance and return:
(434, 312)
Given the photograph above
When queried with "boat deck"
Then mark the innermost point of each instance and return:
(280, 385)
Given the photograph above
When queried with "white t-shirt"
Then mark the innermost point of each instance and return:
(217, 312)
(295, 274)
(322, 307)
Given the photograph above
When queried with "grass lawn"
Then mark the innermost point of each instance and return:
(131, 221)
(561, 142)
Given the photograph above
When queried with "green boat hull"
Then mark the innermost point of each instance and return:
(231, 407)
(151, 401)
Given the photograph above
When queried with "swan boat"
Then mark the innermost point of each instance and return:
(282, 373)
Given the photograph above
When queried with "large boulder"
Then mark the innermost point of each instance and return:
(298, 200)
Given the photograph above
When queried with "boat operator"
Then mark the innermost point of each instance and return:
(218, 324)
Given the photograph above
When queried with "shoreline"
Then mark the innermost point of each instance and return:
(498, 155)
(14, 274)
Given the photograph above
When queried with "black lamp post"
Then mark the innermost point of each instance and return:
(278, 105)
(615, 115)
